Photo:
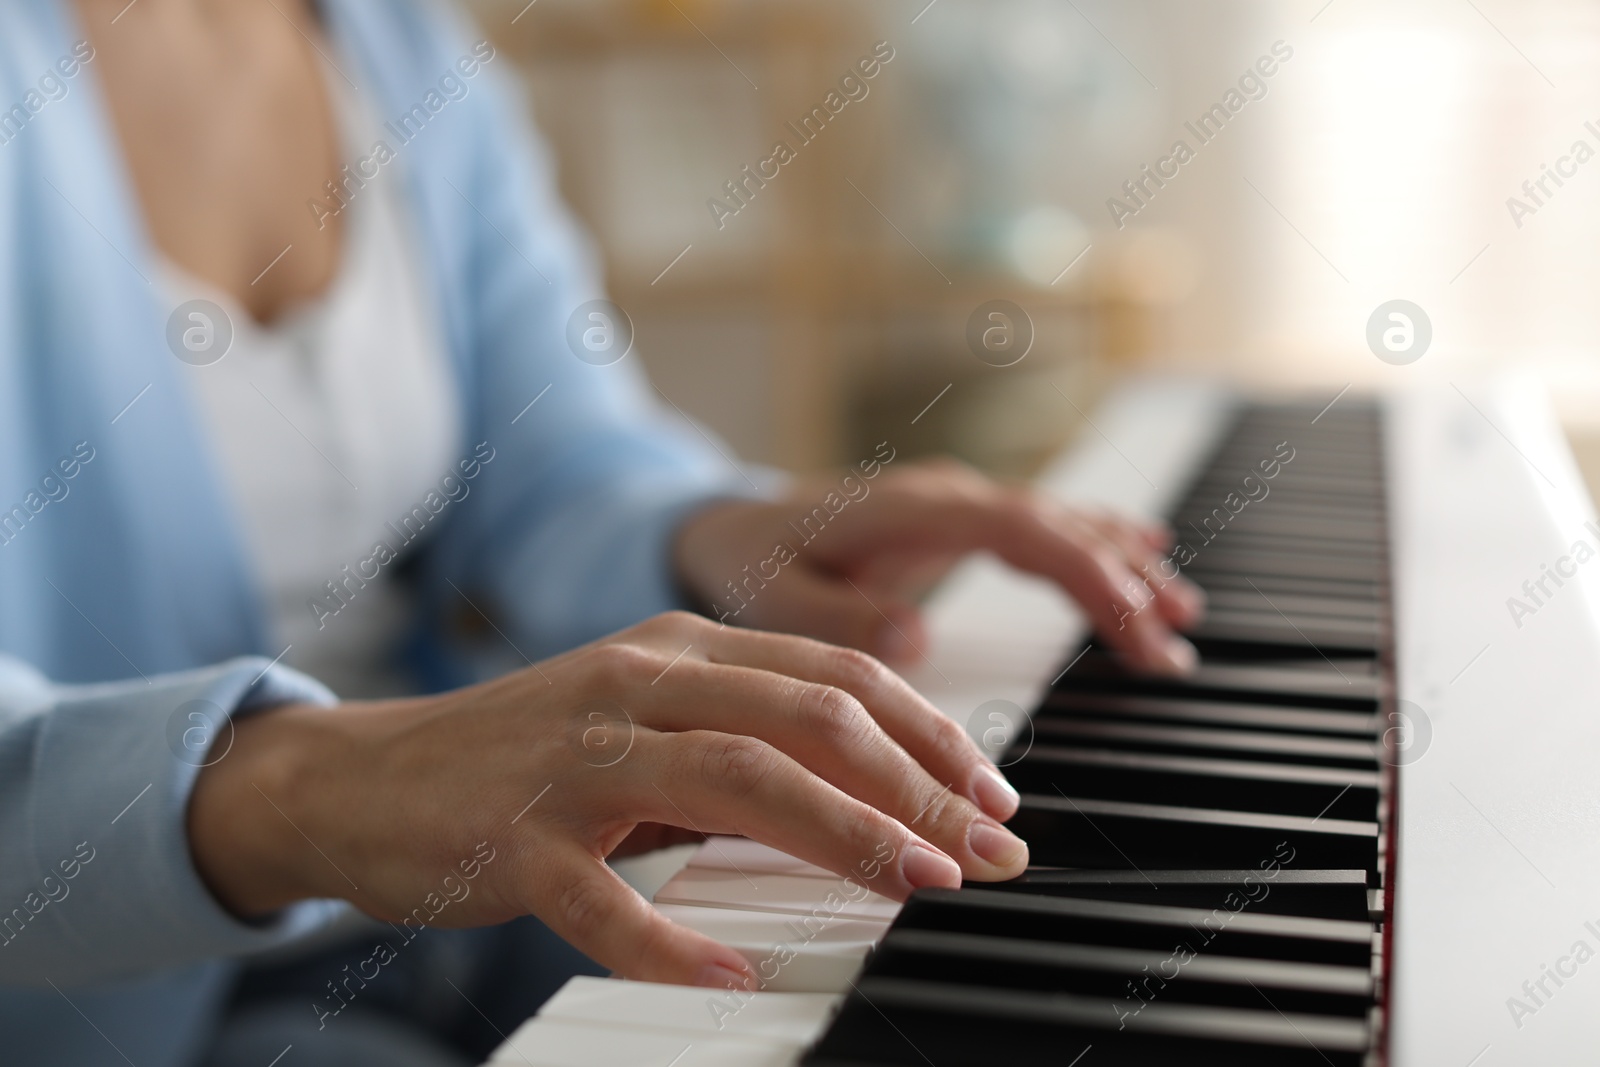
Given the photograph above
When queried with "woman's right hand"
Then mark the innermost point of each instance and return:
(819, 751)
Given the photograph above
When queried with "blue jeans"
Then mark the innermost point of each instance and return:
(444, 999)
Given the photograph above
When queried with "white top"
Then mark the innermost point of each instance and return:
(339, 416)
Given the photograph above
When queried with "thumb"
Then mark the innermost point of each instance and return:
(840, 612)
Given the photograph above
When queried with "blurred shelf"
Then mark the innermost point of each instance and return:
(798, 328)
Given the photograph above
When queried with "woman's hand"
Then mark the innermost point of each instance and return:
(816, 750)
(846, 568)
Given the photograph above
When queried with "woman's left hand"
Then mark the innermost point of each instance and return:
(843, 561)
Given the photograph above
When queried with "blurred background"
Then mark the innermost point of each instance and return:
(1374, 163)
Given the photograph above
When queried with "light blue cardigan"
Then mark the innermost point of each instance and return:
(131, 592)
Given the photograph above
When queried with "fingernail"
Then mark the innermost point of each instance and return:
(924, 868)
(716, 976)
(994, 794)
(1180, 654)
(994, 844)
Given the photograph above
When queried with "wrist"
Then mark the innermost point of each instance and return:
(707, 545)
(253, 815)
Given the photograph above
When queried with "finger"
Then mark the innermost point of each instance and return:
(928, 735)
(726, 783)
(831, 735)
(1144, 636)
(1179, 600)
(1094, 572)
(599, 914)
(953, 512)
(834, 610)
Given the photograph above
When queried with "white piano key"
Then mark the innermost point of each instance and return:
(742, 854)
(779, 893)
(792, 1018)
(544, 1042)
(790, 953)
(651, 871)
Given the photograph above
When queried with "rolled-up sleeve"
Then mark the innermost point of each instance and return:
(96, 877)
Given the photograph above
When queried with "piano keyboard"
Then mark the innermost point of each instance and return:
(1209, 853)
(1214, 858)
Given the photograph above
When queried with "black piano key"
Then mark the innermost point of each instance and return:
(1103, 661)
(1365, 619)
(1357, 753)
(1235, 553)
(1338, 446)
(1066, 831)
(1347, 474)
(1330, 469)
(1334, 468)
(1298, 659)
(1273, 585)
(1332, 607)
(1218, 650)
(1287, 522)
(1357, 489)
(1200, 552)
(1263, 533)
(1241, 785)
(1134, 976)
(1284, 891)
(1285, 499)
(1284, 505)
(1255, 565)
(1248, 600)
(1268, 717)
(1292, 514)
(1256, 562)
(1290, 525)
(1245, 537)
(1231, 930)
(1100, 671)
(1324, 461)
(1264, 428)
(904, 1021)
(1294, 534)
(1329, 636)
(1306, 492)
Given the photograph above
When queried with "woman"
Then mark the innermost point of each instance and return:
(285, 308)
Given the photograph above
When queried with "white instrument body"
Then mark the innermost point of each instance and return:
(1498, 831)
(1515, 734)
